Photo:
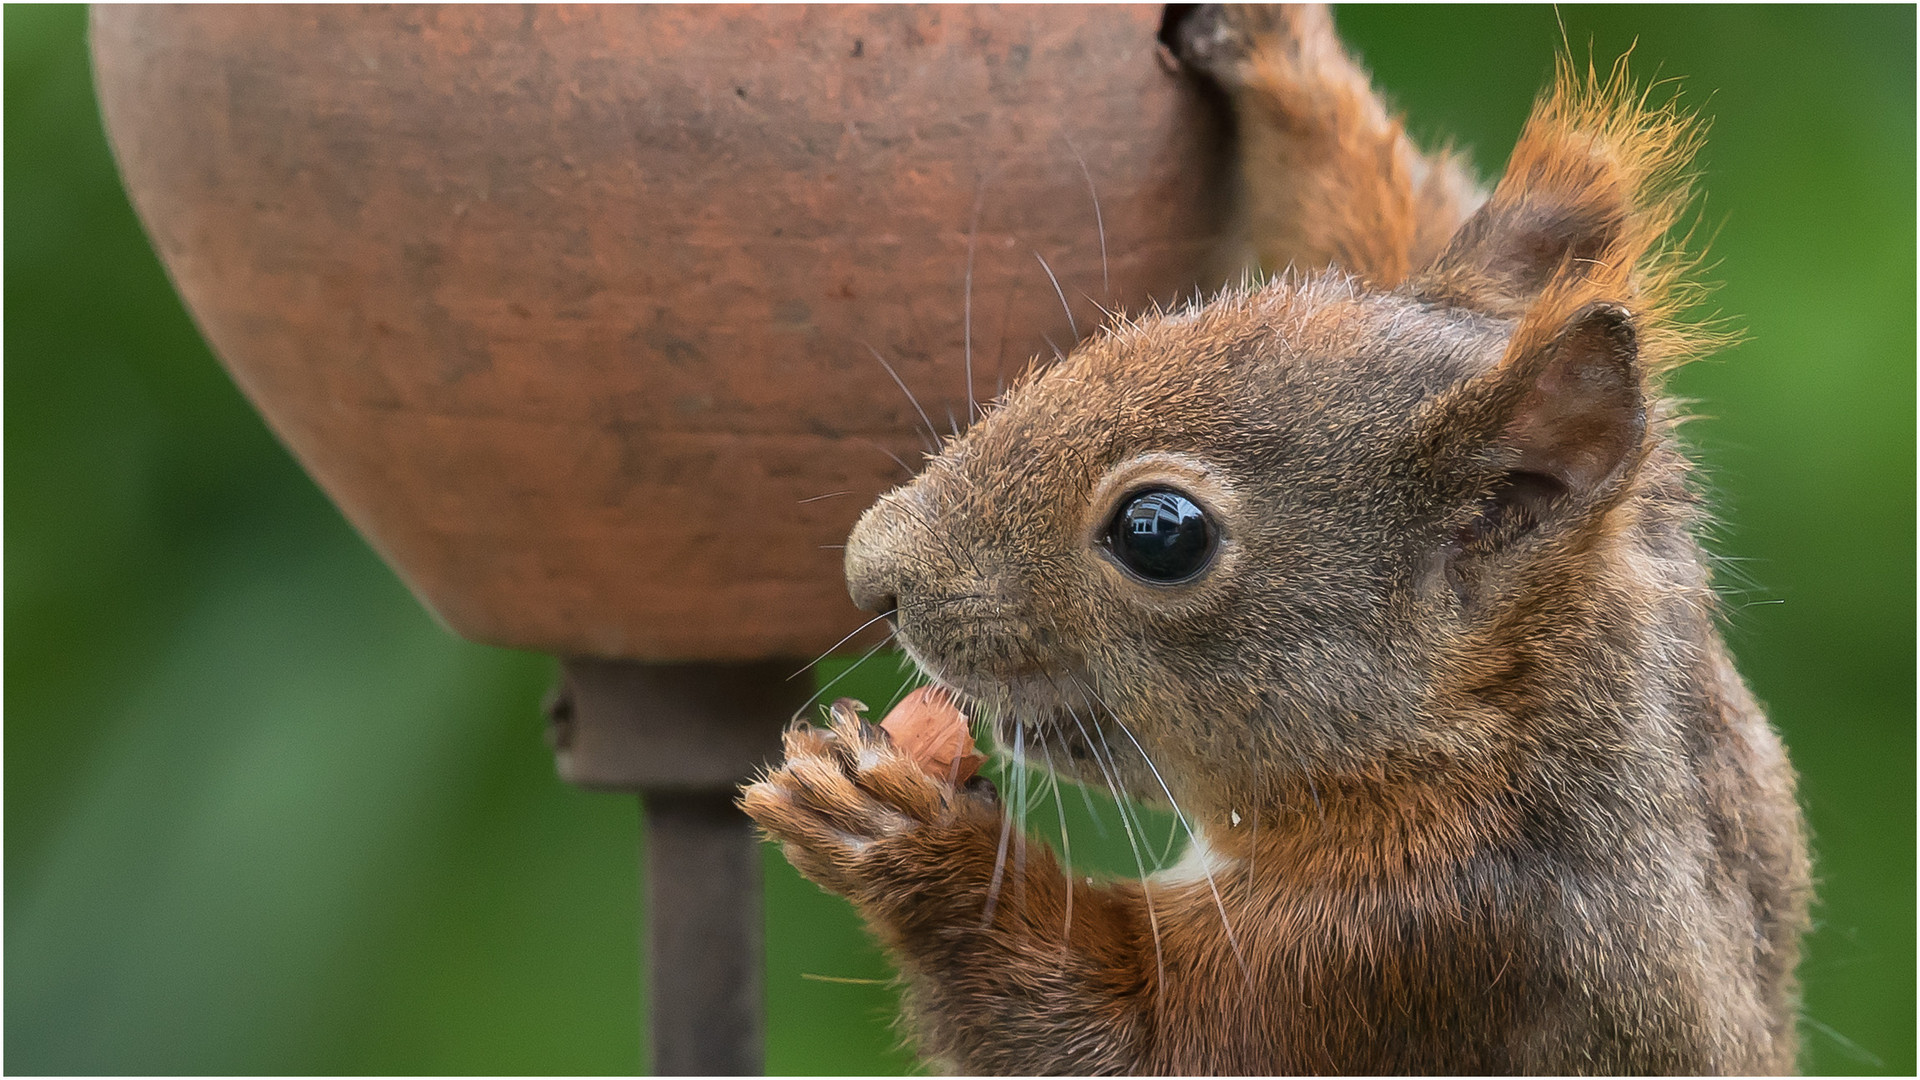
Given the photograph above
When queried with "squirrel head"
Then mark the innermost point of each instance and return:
(1296, 531)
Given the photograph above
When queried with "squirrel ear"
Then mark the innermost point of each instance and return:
(1561, 415)
(1582, 410)
(1596, 180)
(1508, 252)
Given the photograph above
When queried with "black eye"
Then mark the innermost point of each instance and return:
(1162, 536)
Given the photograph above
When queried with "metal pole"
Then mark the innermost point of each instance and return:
(703, 937)
(684, 736)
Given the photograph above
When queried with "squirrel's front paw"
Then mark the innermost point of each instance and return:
(845, 796)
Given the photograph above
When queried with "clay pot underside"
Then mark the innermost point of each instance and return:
(569, 308)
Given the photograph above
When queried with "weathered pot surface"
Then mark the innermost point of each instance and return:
(569, 309)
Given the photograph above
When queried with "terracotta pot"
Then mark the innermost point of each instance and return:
(570, 309)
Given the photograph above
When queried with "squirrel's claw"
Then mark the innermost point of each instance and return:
(842, 790)
(1221, 40)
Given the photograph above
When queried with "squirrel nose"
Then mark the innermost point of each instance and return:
(875, 578)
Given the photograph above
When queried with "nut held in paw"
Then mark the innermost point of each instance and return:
(927, 727)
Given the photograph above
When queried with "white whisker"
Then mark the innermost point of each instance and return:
(889, 453)
(835, 645)
(1146, 887)
(1099, 223)
(901, 383)
(913, 673)
(1066, 846)
(1181, 816)
(851, 668)
(973, 236)
(1057, 291)
(999, 867)
(1023, 800)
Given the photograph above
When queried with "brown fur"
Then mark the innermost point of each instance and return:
(1476, 786)
(1331, 178)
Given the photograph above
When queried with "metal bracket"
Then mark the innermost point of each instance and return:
(684, 737)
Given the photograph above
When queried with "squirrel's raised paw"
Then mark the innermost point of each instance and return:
(845, 790)
(1221, 40)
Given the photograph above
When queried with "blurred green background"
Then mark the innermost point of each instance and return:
(263, 815)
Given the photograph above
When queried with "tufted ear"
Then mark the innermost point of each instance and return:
(1582, 410)
(1562, 416)
(1594, 184)
(1508, 252)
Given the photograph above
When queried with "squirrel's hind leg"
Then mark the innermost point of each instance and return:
(1329, 175)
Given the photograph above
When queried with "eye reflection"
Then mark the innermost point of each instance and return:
(1162, 535)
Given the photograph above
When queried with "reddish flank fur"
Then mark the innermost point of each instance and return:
(1474, 784)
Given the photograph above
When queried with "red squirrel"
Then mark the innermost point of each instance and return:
(1385, 574)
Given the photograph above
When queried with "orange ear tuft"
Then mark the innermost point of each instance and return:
(1584, 215)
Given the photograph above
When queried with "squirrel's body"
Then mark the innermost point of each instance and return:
(1423, 648)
